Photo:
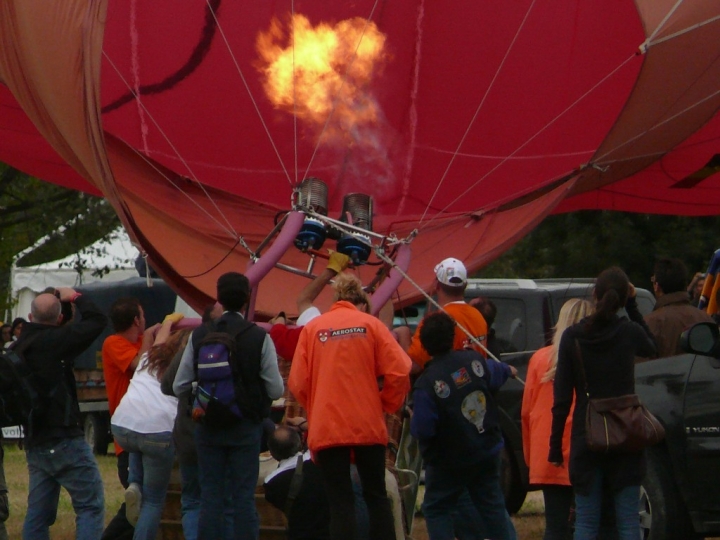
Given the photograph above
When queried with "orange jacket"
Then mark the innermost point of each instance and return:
(335, 372)
(537, 423)
(466, 315)
(117, 355)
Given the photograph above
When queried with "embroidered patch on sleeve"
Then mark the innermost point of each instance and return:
(477, 368)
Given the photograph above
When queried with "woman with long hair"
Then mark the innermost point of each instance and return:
(142, 424)
(606, 344)
(536, 425)
(340, 357)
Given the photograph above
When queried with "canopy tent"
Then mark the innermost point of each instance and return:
(467, 123)
(107, 261)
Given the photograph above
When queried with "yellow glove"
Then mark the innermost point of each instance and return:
(173, 318)
(338, 262)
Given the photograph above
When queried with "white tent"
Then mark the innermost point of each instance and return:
(118, 255)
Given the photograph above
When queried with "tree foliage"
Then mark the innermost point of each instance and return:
(31, 209)
(582, 244)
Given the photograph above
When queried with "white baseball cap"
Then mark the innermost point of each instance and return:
(451, 272)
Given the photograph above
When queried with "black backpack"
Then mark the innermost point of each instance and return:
(20, 401)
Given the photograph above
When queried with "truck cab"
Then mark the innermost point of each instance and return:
(680, 496)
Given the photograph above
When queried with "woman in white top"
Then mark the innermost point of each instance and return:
(142, 425)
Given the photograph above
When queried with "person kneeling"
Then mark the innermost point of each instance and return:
(296, 487)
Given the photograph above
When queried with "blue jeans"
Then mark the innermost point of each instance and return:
(67, 463)
(190, 502)
(156, 453)
(228, 461)
(588, 511)
(444, 487)
(469, 525)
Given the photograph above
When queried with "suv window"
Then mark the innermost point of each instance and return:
(410, 316)
(509, 325)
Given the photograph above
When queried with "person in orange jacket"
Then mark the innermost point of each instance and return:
(537, 422)
(450, 285)
(340, 358)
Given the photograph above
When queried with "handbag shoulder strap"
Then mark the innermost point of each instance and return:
(581, 367)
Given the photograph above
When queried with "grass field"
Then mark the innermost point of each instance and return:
(529, 522)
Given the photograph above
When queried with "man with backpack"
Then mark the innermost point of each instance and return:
(57, 454)
(235, 366)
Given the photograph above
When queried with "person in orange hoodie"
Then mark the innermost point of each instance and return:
(537, 422)
(340, 358)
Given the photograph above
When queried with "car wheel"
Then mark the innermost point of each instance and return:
(662, 511)
(512, 484)
(96, 434)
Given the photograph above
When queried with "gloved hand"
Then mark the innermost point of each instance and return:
(338, 261)
(173, 318)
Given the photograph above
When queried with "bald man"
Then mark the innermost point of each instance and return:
(57, 454)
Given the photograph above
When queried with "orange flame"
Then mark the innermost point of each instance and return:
(323, 70)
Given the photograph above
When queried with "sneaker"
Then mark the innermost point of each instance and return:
(133, 500)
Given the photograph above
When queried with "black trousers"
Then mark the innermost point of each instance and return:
(558, 501)
(4, 504)
(334, 465)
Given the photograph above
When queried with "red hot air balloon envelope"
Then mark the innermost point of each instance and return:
(465, 123)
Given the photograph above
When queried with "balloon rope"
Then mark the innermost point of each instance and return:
(665, 19)
(477, 110)
(337, 96)
(210, 215)
(249, 92)
(413, 112)
(528, 141)
(430, 299)
(659, 124)
(172, 146)
(648, 44)
(295, 137)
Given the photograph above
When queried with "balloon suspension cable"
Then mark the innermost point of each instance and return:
(473, 339)
(148, 278)
(270, 236)
(243, 243)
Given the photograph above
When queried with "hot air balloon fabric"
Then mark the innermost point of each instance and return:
(463, 123)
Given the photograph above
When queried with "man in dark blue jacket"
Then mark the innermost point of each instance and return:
(57, 454)
(455, 420)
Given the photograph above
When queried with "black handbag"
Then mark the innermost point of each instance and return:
(618, 424)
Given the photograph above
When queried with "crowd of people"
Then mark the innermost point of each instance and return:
(204, 396)
(593, 353)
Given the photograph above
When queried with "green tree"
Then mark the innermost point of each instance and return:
(582, 244)
(31, 209)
